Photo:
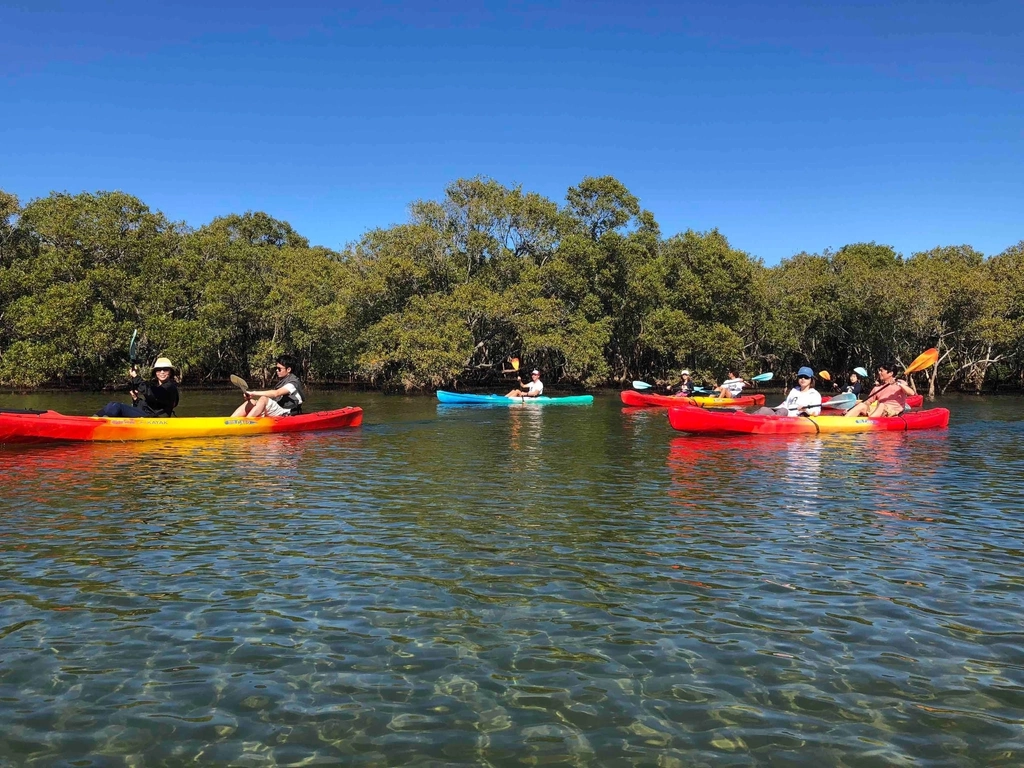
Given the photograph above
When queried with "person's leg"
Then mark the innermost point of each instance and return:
(514, 393)
(259, 409)
(243, 409)
(860, 409)
(120, 411)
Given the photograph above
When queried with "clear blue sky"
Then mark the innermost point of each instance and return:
(788, 125)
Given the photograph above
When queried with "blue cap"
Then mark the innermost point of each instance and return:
(805, 371)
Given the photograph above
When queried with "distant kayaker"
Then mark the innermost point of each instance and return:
(535, 388)
(855, 387)
(150, 399)
(685, 386)
(285, 400)
(733, 386)
(888, 398)
(802, 400)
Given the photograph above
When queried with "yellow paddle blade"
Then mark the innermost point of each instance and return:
(825, 375)
(515, 363)
(924, 360)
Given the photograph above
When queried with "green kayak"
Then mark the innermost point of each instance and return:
(459, 398)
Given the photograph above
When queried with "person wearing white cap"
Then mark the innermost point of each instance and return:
(855, 386)
(156, 398)
(534, 389)
(685, 386)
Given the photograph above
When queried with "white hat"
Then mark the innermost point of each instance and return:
(535, 371)
(163, 362)
(684, 372)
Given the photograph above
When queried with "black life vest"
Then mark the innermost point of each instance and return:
(287, 401)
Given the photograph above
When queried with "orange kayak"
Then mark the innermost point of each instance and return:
(53, 427)
(701, 421)
(645, 400)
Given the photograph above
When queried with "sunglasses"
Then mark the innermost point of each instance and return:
(167, 370)
(805, 378)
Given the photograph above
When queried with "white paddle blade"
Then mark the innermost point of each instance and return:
(641, 385)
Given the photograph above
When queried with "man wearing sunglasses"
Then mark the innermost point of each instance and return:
(285, 400)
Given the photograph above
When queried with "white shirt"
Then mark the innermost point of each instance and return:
(535, 388)
(808, 399)
(734, 386)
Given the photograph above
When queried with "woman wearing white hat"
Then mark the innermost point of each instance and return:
(685, 386)
(154, 399)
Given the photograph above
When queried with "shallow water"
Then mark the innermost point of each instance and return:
(569, 585)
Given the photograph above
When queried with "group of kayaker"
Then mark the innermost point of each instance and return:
(158, 397)
(887, 398)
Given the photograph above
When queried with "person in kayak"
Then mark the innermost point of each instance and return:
(802, 400)
(855, 387)
(733, 386)
(888, 398)
(156, 398)
(685, 386)
(285, 399)
(534, 389)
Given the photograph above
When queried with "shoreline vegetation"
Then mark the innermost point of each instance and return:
(590, 291)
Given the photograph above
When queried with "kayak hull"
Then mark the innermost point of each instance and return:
(462, 398)
(650, 400)
(53, 427)
(704, 422)
(913, 401)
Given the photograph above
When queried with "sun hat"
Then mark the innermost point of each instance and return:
(860, 372)
(163, 362)
(805, 371)
(684, 372)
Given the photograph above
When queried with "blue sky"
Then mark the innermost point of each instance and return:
(789, 126)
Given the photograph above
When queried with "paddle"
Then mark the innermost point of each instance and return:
(641, 385)
(515, 363)
(239, 382)
(825, 375)
(843, 402)
(922, 361)
(133, 348)
(764, 376)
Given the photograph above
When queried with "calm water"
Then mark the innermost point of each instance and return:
(515, 587)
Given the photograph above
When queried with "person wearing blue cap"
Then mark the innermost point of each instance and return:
(802, 400)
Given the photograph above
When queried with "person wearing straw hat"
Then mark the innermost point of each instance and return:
(156, 398)
(534, 389)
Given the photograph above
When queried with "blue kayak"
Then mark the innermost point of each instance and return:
(459, 398)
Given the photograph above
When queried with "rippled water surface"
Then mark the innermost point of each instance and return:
(575, 585)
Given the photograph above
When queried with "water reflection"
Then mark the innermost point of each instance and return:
(623, 595)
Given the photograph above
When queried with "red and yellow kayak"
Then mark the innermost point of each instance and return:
(646, 400)
(701, 421)
(53, 427)
(914, 401)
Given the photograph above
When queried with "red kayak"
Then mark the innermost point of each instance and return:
(53, 427)
(705, 422)
(645, 400)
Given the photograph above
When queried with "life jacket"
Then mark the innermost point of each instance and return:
(288, 401)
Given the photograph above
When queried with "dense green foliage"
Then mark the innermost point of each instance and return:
(590, 292)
